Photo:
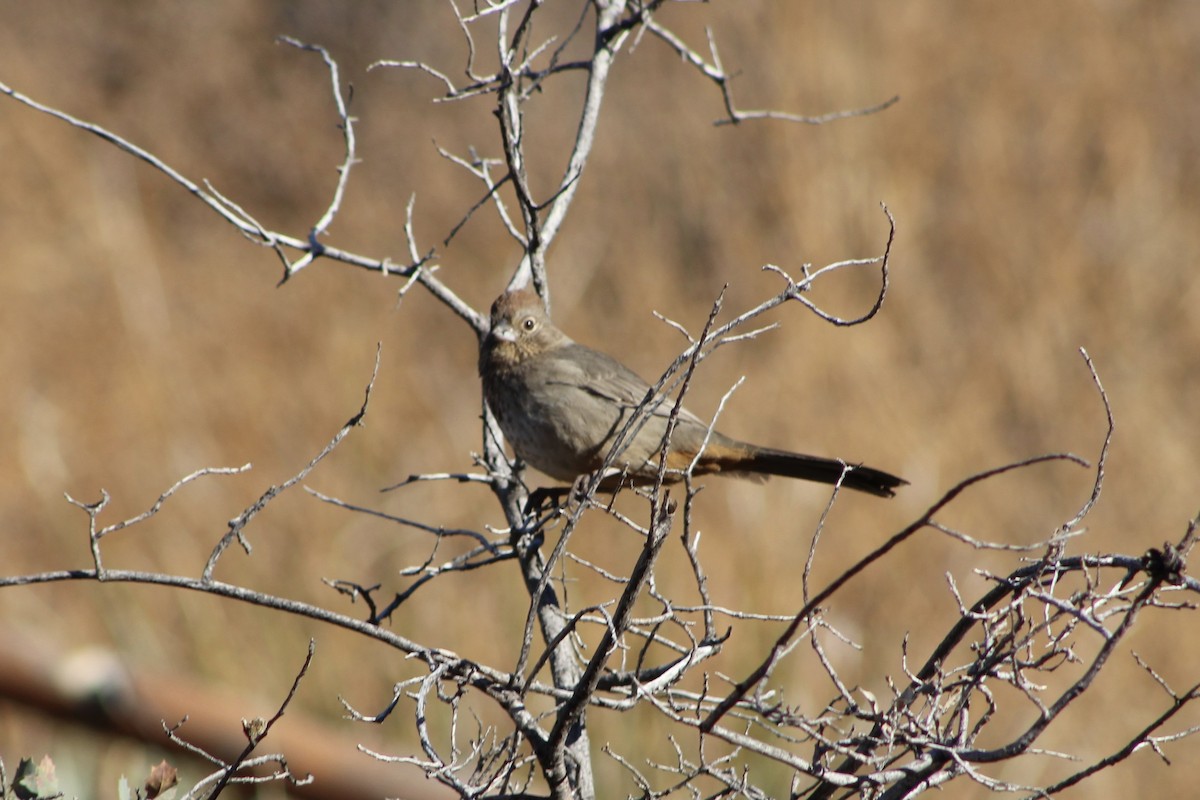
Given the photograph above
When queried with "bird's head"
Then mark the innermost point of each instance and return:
(520, 329)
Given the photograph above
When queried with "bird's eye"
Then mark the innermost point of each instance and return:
(529, 323)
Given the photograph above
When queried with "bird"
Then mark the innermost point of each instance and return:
(561, 406)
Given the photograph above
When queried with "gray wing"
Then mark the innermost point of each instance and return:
(602, 376)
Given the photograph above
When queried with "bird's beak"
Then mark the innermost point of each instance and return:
(503, 332)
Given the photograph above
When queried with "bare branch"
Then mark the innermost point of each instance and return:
(238, 523)
(715, 71)
(321, 227)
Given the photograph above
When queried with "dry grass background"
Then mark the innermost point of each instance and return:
(1042, 164)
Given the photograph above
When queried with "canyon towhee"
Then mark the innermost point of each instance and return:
(561, 405)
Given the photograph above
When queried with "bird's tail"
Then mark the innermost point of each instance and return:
(757, 462)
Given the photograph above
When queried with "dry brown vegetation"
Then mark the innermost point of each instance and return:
(1043, 166)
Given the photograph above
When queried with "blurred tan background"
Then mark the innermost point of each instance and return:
(1042, 164)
